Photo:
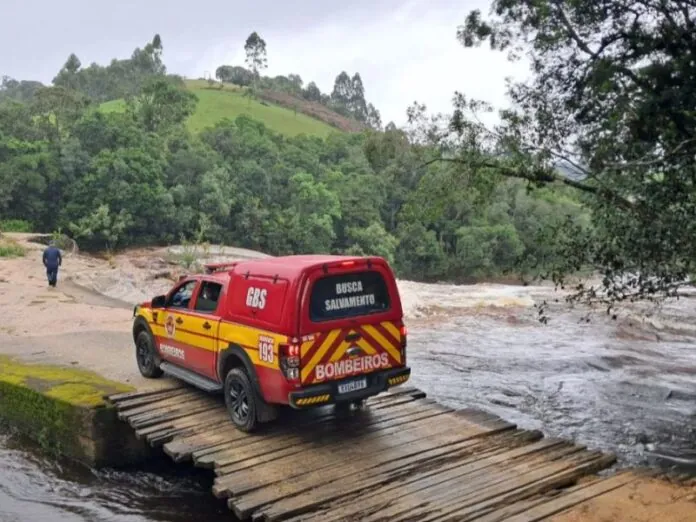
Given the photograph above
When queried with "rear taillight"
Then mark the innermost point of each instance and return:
(290, 360)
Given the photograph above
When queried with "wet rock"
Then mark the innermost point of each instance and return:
(642, 438)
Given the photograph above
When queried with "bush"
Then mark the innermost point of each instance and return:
(15, 225)
(11, 249)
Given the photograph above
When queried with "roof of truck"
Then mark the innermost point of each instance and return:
(289, 267)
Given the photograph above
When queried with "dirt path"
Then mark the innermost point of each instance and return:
(644, 500)
(66, 325)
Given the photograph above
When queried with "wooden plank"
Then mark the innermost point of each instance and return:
(118, 397)
(186, 425)
(172, 406)
(363, 424)
(171, 415)
(329, 435)
(421, 479)
(397, 392)
(354, 474)
(572, 499)
(499, 481)
(322, 454)
(584, 490)
(202, 439)
(519, 489)
(456, 483)
(273, 473)
(160, 404)
(252, 455)
(128, 404)
(510, 447)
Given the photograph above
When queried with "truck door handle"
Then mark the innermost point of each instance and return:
(353, 337)
(179, 320)
(206, 325)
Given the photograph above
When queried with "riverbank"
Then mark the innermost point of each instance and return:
(76, 326)
(63, 410)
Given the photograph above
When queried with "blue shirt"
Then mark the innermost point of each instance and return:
(52, 257)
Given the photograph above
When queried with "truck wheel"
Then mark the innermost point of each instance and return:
(145, 356)
(240, 400)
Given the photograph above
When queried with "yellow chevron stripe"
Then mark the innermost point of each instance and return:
(367, 347)
(389, 347)
(319, 354)
(392, 329)
(312, 400)
(398, 380)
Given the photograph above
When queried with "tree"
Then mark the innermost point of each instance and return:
(356, 103)
(612, 97)
(312, 92)
(22, 91)
(256, 59)
(57, 109)
(343, 89)
(373, 119)
(161, 104)
(234, 74)
(73, 64)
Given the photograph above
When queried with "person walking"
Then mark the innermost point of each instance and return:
(52, 260)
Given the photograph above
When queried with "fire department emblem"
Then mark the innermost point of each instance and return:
(169, 326)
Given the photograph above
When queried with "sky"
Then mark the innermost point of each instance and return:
(404, 50)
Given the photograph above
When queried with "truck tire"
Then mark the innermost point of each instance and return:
(241, 401)
(146, 357)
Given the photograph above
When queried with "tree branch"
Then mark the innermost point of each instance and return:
(542, 177)
(586, 49)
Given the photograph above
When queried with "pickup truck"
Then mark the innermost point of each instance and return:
(300, 331)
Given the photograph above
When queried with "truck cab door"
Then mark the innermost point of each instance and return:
(172, 339)
(203, 325)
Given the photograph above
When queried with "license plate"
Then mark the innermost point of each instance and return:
(357, 384)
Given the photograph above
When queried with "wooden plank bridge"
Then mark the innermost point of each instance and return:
(401, 458)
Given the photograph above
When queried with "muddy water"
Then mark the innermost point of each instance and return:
(627, 386)
(36, 488)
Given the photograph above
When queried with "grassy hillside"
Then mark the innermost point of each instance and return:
(214, 104)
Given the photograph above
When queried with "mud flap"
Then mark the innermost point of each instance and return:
(265, 412)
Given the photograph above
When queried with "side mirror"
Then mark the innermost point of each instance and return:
(159, 301)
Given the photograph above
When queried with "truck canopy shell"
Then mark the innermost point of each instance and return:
(274, 293)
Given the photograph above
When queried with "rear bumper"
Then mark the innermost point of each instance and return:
(327, 393)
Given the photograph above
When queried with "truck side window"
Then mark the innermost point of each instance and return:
(182, 296)
(208, 297)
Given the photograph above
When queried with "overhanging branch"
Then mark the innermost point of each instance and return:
(540, 176)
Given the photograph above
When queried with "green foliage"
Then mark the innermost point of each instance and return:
(101, 226)
(609, 111)
(260, 177)
(21, 91)
(10, 248)
(373, 240)
(119, 79)
(255, 49)
(15, 225)
(160, 104)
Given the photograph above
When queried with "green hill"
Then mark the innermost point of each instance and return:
(215, 104)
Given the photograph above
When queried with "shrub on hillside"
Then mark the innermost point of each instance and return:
(15, 225)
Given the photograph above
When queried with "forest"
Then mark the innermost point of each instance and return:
(591, 167)
(139, 178)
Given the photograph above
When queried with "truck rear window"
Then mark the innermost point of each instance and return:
(348, 295)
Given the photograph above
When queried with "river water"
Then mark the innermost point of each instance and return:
(625, 385)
